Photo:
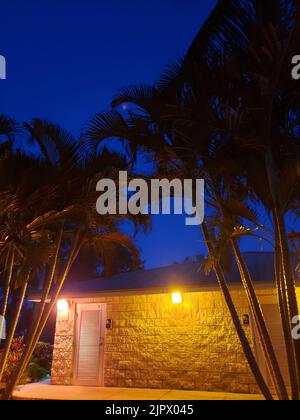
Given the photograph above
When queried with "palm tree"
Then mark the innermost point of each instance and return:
(108, 125)
(216, 102)
(263, 40)
(31, 260)
(8, 129)
(68, 216)
(266, 106)
(180, 165)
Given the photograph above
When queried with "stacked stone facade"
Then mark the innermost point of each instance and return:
(63, 354)
(156, 344)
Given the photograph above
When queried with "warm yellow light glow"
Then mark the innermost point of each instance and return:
(176, 297)
(63, 306)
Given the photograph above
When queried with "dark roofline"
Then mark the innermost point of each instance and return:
(186, 276)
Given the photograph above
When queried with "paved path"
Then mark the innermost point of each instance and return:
(52, 392)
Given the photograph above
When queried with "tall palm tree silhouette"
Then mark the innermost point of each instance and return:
(229, 111)
(52, 201)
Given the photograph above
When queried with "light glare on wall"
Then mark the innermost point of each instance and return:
(176, 297)
(63, 310)
(62, 305)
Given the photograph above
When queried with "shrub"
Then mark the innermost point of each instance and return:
(39, 366)
(43, 355)
(14, 356)
(35, 371)
(40, 363)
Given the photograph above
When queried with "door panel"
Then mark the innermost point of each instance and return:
(90, 330)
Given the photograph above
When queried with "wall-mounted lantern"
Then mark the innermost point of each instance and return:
(109, 324)
(246, 319)
(176, 298)
(63, 310)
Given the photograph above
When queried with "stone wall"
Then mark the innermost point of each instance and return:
(157, 344)
(63, 354)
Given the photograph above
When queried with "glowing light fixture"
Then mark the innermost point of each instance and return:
(62, 306)
(176, 298)
(63, 310)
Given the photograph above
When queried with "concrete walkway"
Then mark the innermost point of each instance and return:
(52, 392)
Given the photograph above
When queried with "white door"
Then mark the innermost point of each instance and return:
(90, 340)
(273, 321)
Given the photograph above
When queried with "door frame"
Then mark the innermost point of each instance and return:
(101, 307)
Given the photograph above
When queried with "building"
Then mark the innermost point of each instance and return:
(165, 328)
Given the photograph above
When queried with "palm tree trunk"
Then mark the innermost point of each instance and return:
(37, 331)
(47, 288)
(290, 286)
(13, 328)
(53, 302)
(283, 309)
(268, 349)
(287, 277)
(7, 286)
(236, 321)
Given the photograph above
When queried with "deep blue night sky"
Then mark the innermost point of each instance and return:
(66, 59)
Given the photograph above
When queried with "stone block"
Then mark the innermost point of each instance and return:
(239, 388)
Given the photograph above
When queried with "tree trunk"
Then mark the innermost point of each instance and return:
(236, 321)
(283, 309)
(288, 286)
(268, 349)
(46, 314)
(13, 328)
(46, 291)
(36, 333)
(287, 278)
(7, 286)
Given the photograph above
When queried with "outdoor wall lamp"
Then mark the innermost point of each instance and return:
(63, 309)
(176, 298)
(109, 324)
(246, 319)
